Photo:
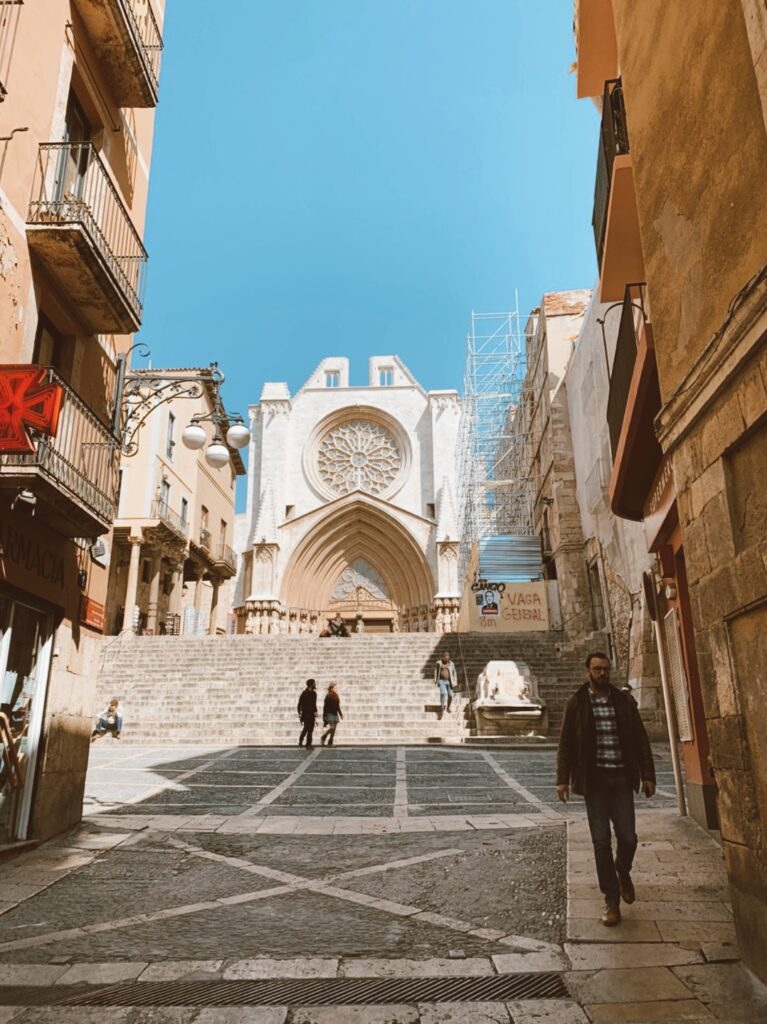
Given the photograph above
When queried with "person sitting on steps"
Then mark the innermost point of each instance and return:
(110, 720)
(336, 627)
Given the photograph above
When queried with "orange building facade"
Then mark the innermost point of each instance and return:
(79, 83)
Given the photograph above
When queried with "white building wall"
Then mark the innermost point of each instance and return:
(617, 544)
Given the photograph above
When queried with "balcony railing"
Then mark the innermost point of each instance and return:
(72, 190)
(205, 538)
(127, 39)
(82, 461)
(225, 555)
(633, 316)
(613, 141)
(141, 18)
(161, 510)
(9, 21)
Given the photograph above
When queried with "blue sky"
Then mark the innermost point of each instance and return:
(353, 177)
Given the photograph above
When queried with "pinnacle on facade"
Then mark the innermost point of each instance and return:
(447, 528)
(265, 526)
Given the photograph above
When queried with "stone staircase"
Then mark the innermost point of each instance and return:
(243, 689)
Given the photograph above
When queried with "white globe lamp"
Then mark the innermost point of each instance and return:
(216, 455)
(238, 435)
(193, 436)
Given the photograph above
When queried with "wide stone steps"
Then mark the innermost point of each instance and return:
(243, 689)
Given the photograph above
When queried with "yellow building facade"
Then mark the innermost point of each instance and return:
(173, 535)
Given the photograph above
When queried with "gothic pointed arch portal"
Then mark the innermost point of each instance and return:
(360, 538)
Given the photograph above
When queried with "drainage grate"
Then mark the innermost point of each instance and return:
(322, 991)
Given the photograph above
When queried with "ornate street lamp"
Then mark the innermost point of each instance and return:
(140, 392)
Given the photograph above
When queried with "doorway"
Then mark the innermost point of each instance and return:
(26, 634)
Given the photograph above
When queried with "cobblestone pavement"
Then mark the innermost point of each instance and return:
(456, 865)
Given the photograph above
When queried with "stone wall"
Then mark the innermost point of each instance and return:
(721, 476)
(703, 222)
(70, 713)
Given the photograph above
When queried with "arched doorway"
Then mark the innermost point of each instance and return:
(360, 561)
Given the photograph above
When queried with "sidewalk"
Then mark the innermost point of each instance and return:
(673, 957)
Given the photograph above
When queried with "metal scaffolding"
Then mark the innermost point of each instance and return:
(495, 494)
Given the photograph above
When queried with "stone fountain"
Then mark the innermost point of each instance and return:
(508, 703)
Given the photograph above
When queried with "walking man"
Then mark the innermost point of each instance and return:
(445, 677)
(604, 754)
(307, 713)
(331, 715)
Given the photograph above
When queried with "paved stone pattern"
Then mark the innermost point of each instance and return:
(365, 862)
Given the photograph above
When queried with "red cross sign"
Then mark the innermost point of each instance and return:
(27, 400)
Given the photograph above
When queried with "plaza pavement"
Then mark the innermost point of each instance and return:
(246, 864)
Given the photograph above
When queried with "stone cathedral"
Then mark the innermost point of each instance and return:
(351, 505)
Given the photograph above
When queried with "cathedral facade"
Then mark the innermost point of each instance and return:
(351, 505)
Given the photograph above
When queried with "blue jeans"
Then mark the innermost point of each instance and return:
(445, 694)
(103, 726)
(611, 800)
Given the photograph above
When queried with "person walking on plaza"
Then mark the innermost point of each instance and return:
(331, 715)
(446, 679)
(307, 713)
(110, 720)
(604, 755)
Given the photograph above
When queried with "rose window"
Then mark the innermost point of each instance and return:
(358, 456)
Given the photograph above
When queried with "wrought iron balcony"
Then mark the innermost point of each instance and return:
(624, 360)
(633, 403)
(78, 227)
(613, 141)
(205, 538)
(226, 558)
(126, 37)
(74, 475)
(162, 511)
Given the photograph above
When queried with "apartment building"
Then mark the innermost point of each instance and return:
(680, 224)
(174, 531)
(79, 83)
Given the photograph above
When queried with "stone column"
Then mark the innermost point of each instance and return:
(198, 575)
(174, 603)
(154, 593)
(216, 583)
(131, 588)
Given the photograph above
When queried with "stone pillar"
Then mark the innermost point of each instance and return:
(154, 593)
(198, 577)
(447, 566)
(174, 602)
(131, 587)
(264, 571)
(216, 583)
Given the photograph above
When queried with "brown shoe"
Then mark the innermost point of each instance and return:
(611, 915)
(628, 894)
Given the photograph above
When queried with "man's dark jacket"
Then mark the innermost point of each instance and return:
(307, 704)
(577, 754)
